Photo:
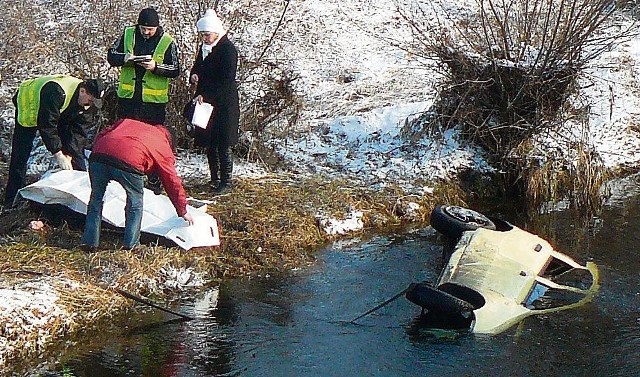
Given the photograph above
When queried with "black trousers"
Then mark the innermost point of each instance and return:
(152, 113)
(21, 146)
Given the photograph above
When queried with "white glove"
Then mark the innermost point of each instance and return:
(127, 57)
(63, 161)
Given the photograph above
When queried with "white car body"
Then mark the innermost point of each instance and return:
(506, 267)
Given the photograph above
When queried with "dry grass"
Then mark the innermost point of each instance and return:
(580, 183)
(267, 224)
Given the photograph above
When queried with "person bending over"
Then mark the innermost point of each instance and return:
(59, 108)
(124, 153)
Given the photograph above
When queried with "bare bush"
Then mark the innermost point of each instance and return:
(509, 68)
(271, 113)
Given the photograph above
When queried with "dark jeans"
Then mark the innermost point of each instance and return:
(100, 175)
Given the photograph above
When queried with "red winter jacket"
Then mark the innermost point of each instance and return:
(139, 147)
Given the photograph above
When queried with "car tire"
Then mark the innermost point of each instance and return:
(435, 300)
(452, 221)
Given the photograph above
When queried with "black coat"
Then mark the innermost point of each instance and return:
(217, 85)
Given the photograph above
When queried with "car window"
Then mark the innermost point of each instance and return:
(536, 293)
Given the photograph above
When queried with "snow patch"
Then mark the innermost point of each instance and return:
(333, 226)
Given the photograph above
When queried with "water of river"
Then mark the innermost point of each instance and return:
(293, 325)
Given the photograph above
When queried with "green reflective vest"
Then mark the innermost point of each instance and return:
(155, 89)
(29, 96)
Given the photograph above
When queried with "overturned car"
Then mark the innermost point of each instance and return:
(497, 274)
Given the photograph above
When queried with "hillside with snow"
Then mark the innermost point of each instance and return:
(353, 129)
(359, 84)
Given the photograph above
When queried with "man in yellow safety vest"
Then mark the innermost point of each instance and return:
(59, 108)
(149, 58)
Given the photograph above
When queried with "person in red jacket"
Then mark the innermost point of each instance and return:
(125, 153)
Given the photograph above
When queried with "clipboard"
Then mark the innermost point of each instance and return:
(201, 114)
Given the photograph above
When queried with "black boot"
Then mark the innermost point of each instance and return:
(226, 169)
(212, 158)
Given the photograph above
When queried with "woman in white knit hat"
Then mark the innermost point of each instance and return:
(214, 75)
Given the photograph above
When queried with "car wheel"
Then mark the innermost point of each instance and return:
(435, 300)
(452, 221)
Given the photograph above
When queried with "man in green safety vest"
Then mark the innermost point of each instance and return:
(59, 107)
(149, 58)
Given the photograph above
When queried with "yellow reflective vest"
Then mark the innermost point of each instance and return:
(28, 99)
(155, 89)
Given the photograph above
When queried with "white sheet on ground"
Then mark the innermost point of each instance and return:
(72, 189)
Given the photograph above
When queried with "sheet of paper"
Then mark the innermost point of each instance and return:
(141, 58)
(201, 114)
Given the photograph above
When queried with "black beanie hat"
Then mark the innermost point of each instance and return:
(148, 17)
(95, 87)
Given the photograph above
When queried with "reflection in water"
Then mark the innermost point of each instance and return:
(293, 325)
(164, 346)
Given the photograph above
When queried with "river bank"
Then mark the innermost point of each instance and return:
(51, 292)
(290, 325)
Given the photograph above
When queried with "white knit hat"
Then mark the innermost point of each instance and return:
(210, 22)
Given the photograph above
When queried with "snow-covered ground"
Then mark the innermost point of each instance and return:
(351, 128)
